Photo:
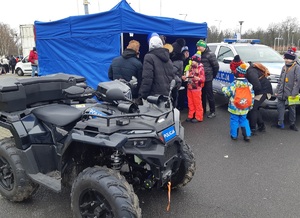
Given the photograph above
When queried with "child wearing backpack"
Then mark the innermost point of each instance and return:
(241, 99)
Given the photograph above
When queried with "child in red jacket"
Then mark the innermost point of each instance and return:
(196, 79)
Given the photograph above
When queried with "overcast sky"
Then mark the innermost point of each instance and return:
(220, 13)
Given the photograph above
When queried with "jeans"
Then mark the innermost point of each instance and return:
(35, 69)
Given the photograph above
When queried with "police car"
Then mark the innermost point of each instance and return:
(249, 50)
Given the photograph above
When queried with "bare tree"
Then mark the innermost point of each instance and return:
(8, 39)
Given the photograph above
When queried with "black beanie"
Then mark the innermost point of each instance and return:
(178, 44)
(237, 58)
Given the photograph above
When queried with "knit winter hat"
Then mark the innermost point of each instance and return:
(201, 43)
(155, 42)
(150, 35)
(241, 70)
(237, 58)
(290, 54)
(178, 44)
(196, 57)
(184, 48)
(235, 63)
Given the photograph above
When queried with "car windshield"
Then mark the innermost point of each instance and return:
(258, 54)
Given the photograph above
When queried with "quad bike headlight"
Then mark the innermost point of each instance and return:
(140, 143)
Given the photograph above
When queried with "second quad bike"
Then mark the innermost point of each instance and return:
(97, 142)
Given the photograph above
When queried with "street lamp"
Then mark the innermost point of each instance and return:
(293, 38)
(278, 38)
(160, 6)
(86, 6)
(241, 23)
(184, 15)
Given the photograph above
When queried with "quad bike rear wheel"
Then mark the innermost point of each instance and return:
(102, 192)
(15, 185)
(187, 168)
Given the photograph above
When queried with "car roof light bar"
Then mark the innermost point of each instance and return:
(233, 40)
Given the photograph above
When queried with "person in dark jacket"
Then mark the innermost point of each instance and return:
(12, 63)
(127, 65)
(177, 58)
(257, 75)
(288, 86)
(182, 94)
(157, 70)
(211, 68)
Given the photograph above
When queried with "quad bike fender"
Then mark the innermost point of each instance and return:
(115, 140)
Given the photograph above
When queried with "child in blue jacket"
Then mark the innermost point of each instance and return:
(238, 113)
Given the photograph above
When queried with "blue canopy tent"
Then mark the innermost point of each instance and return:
(85, 45)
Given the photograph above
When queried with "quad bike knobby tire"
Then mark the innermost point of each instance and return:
(103, 192)
(15, 185)
(186, 170)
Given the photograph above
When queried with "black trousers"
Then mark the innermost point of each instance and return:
(208, 94)
(182, 97)
(254, 116)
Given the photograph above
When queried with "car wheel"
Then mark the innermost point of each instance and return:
(15, 185)
(19, 72)
(103, 192)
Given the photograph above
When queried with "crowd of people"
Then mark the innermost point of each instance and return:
(194, 75)
(167, 61)
(8, 64)
(255, 77)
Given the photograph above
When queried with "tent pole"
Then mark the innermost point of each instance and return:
(122, 43)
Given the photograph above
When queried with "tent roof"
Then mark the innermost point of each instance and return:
(120, 19)
(86, 45)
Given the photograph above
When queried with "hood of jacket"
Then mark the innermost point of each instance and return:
(128, 53)
(161, 53)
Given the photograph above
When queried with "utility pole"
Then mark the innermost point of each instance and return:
(241, 23)
(86, 6)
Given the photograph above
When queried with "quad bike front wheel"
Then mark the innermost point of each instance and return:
(102, 192)
(15, 185)
(187, 168)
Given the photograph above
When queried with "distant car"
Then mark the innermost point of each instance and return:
(23, 67)
(249, 51)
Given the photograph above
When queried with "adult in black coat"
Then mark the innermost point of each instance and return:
(257, 76)
(211, 68)
(127, 65)
(157, 70)
(12, 63)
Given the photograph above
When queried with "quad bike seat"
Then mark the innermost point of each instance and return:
(19, 94)
(57, 114)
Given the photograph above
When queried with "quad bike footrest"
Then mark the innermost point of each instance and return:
(47, 181)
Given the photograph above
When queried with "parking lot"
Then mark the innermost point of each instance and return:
(234, 179)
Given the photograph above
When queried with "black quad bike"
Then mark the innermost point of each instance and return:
(97, 142)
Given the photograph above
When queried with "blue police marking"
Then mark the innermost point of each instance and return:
(94, 111)
(225, 77)
(169, 133)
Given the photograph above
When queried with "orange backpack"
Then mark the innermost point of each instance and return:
(243, 98)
